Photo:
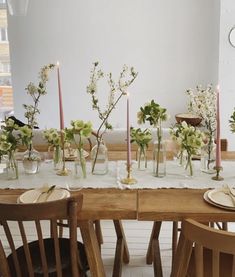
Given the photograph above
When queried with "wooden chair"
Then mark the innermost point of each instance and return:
(176, 228)
(204, 251)
(49, 255)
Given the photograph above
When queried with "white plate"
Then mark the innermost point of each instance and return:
(37, 195)
(219, 199)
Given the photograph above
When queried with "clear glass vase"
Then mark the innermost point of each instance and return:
(189, 166)
(142, 157)
(31, 161)
(208, 157)
(99, 158)
(181, 157)
(159, 159)
(80, 165)
(12, 166)
(57, 157)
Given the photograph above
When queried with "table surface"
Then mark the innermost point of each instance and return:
(143, 204)
(179, 204)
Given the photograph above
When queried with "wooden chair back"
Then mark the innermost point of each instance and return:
(19, 215)
(209, 247)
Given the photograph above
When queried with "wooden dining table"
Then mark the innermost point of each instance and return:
(157, 205)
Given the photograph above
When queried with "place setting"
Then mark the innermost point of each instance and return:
(223, 197)
(45, 193)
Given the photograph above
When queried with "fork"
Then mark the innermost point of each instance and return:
(228, 191)
(48, 192)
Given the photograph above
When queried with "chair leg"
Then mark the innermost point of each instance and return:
(174, 239)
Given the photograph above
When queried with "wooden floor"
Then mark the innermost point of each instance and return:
(137, 234)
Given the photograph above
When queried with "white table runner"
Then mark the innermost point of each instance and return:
(174, 178)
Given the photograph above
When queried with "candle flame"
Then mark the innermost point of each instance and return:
(128, 94)
(218, 87)
(57, 64)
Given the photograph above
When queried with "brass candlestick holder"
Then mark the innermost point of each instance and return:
(64, 171)
(128, 180)
(217, 177)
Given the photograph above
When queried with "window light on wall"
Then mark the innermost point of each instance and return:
(17, 7)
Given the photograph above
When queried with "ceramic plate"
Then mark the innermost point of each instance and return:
(218, 200)
(38, 195)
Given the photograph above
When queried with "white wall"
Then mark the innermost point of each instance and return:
(172, 44)
(227, 69)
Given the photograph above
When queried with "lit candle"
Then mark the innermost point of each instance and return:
(128, 133)
(60, 98)
(218, 146)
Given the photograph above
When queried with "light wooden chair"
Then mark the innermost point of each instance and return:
(49, 255)
(203, 251)
(176, 227)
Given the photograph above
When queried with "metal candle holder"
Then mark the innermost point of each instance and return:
(217, 177)
(64, 171)
(128, 180)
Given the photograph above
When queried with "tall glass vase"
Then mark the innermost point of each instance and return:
(99, 158)
(188, 166)
(12, 166)
(31, 160)
(208, 157)
(80, 165)
(159, 159)
(57, 157)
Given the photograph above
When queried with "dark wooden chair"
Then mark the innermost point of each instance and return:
(204, 252)
(49, 255)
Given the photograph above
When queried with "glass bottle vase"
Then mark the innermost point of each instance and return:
(208, 157)
(31, 161)
(12, 166)
(80, 165)
(57, 157)
(188, 166)
(142, 157)
(159, 159)
(99, 158)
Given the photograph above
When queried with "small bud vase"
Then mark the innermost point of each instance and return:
(12, 166)
(188, 166)
(159, 159)
(80, 165)
(99, 158)
(208, 157)
(142, 157)
(31, 160)
(57, 157)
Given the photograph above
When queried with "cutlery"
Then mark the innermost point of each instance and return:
(228, 191)
(48, 192)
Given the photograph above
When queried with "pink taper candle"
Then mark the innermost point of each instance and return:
(218, 146)
(60, 98)
(128, 133)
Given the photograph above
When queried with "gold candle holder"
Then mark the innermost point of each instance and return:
(217, 177)
(128, 180)
(64, 171)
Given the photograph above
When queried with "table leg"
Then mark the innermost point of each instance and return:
(92, 248)
(153, 252)
(122, 252)
(98, 232)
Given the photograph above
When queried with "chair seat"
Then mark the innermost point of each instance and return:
(50, 257)
(226, 263)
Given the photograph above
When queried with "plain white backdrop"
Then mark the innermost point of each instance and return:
(174, 45)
